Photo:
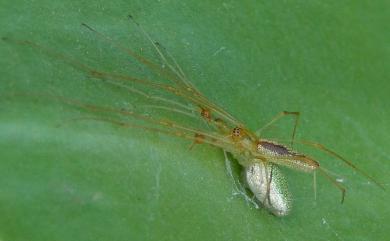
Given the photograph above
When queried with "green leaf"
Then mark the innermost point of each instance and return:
(64, 180)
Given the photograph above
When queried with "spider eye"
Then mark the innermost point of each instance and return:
(237, 132)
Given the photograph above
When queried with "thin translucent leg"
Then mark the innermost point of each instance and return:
(123, 124)
(338, 185)
(182, 81)
(147, 96)
(189, 94)
(238, 188)
(347, 162)
(180, 70)
(177, 71)
(174, 128)
(315, 185)
(115, 79)
(269, 181)
(278, 117)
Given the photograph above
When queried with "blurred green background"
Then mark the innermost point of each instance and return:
(93, 181)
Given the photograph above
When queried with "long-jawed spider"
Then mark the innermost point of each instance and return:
(259, 157)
